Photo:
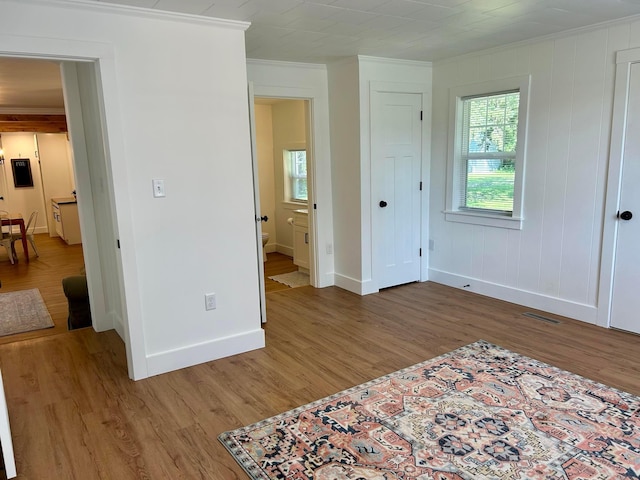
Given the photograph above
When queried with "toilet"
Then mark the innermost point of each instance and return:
(265, 239)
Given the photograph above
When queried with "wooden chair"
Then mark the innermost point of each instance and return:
(29, 230)
(6, 236)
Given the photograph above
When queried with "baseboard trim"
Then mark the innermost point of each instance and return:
(353, 285)
(558, 306)
(163, 362)
(283, 249)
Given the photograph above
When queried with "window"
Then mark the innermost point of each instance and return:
(487, 154)
(295, 171)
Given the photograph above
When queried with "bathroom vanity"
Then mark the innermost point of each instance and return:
(301, 239)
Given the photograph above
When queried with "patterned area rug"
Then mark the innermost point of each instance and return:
(23, 311)
(292, 279)
(479, 412)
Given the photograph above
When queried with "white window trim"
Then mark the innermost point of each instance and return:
(456, 94)
(292, 177)
(289, 147)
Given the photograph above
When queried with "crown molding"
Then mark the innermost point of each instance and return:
(396, 61)
(281, 63)
(103, 7)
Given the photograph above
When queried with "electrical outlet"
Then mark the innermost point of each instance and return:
(210, 301)
(431, 244)
(329, 249)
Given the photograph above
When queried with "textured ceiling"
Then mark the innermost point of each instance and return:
(321, 31)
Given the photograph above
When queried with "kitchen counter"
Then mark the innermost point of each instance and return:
(63, 200)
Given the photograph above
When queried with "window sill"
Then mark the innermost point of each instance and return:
(294, 205)
(499, 221)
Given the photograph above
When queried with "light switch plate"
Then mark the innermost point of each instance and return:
(158, 188)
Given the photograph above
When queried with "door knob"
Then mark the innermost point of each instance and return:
(626, 215)
(383, 203)
(262, 219)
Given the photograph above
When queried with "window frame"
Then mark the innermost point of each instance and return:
(454, 213)
(290, 177)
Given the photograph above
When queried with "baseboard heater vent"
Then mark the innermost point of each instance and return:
(543, 318)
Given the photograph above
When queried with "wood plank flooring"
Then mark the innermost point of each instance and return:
(75, 414)
(57, 260)
(277, 264)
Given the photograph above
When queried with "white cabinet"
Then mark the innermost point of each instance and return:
(301, 239)
(65, 216)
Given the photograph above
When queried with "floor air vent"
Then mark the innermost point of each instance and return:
(540, 317)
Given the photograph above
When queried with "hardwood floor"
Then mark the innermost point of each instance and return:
(277, 264)
(75, 415)
(57, 260)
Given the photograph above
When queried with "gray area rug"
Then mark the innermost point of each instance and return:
(23, 311)
(293, 279)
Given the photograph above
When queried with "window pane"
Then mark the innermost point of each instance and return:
(490, 125)
(478, 112)
(300, 189)
(295, 173)
(480, 140)
(496, 110)
(300, 163)
(490, 184)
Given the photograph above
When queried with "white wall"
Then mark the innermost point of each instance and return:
(22, 200)
(350, 85)
(161, 79)
(95, 199)
(306, 81)
(57, 174)
(264, 147)
(52, 158)
(553, 262)
(289, 131)
(345, 171)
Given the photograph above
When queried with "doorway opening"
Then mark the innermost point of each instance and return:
(80, 163)
(285, 164)
(34, 128)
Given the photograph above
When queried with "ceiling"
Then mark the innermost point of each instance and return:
(321, 31)
(30, 84)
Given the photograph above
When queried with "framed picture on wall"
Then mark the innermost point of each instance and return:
(21, 172)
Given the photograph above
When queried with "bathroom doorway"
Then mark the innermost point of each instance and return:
(284, 161)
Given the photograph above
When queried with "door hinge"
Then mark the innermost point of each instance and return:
(118, 242)
(420, 115)
(315, 207)
(420, 252)
(420, 186)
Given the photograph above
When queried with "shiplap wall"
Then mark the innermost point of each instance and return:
(553, 262)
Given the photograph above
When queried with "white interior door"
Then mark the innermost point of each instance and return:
(256, 199)
(396, 134)
(625, 302)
